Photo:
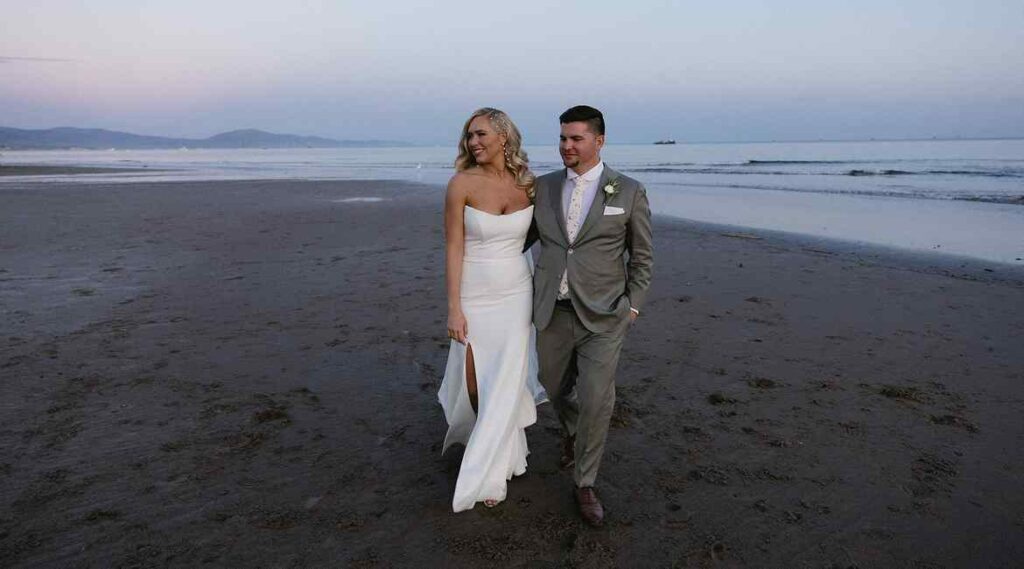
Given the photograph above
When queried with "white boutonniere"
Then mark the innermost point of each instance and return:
(611, 188)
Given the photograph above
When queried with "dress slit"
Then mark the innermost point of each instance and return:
(469, 370)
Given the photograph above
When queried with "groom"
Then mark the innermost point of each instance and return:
(594, 225)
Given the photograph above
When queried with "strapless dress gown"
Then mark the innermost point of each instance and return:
(497, 299)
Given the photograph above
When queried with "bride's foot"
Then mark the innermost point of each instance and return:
(491, 503)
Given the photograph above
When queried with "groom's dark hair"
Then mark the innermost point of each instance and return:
(583, 113)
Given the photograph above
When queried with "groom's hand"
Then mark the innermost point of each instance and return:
(633, 315)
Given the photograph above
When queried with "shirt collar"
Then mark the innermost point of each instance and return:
(588, 176)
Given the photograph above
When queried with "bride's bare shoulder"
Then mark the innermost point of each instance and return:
(459, 187)
(462, 181)
(465, 175)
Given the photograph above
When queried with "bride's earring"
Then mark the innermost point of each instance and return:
(508, 156)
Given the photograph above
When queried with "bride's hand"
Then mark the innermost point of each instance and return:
(458, 329)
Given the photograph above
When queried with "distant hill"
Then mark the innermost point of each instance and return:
(96, 138)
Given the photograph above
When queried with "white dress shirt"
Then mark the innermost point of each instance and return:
(590, 180)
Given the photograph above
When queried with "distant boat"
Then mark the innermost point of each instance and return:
(668, 141)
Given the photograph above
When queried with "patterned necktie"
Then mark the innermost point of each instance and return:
(572, 227)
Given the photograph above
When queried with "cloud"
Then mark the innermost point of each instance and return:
(9, 59)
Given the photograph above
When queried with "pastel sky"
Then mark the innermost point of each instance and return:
(697, 71)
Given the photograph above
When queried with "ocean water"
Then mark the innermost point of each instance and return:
(963, 197)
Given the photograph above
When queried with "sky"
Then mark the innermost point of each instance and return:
(731, 70)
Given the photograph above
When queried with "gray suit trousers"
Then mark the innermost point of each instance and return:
(577, 369)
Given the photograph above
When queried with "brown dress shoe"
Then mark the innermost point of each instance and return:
(568, 459)
(590, 506)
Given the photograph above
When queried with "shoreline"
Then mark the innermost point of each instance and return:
(245, 373)
(946, 264)
(51, 170)
(949, 264)
(945, 208)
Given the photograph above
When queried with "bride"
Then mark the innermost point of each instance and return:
(490, 385)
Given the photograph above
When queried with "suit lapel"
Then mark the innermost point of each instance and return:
(597, 208)
(556, 203)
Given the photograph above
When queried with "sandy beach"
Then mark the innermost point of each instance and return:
(243, 374)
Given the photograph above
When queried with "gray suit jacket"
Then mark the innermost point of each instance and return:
(610, 261)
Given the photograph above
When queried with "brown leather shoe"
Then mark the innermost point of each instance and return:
(590, 507)
(568, 459)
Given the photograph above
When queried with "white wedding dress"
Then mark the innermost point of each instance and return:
(497, 299)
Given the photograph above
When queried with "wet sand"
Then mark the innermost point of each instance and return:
(243, 374)
(50, 170)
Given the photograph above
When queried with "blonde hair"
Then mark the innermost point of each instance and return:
(516, 160)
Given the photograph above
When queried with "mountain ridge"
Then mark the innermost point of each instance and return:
(98, 138)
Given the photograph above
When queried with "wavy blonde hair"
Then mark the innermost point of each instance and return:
(516, 160)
